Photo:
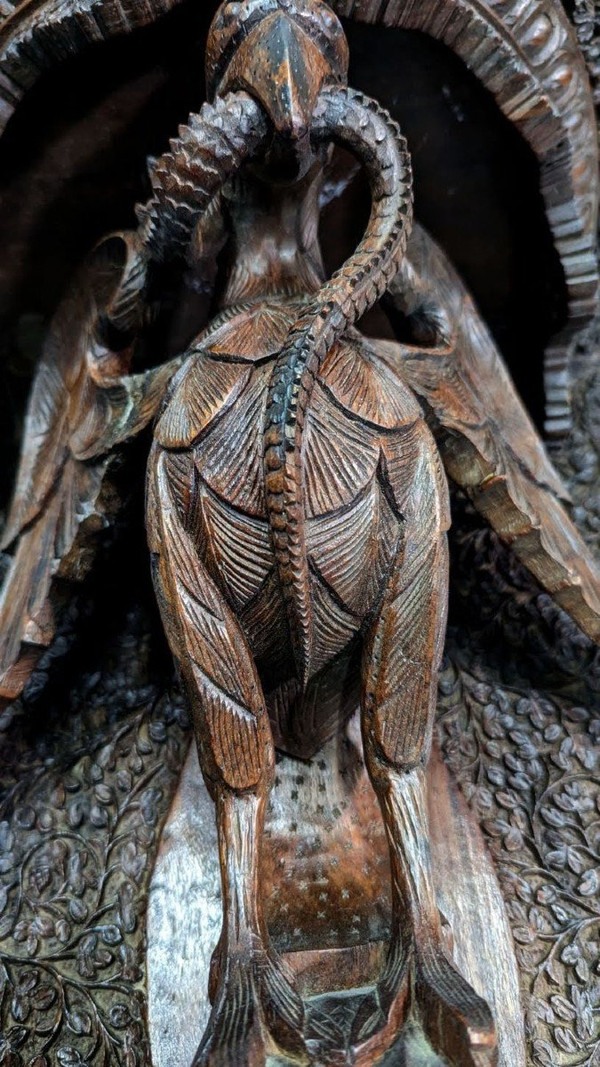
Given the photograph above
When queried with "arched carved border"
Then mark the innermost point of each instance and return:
(524, 51)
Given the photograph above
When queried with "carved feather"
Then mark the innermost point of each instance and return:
(203, 389)
(339, 456)
(258, 332)
(83, 405)
(240, 547)
(366, 386)
(353, 549)
(487, 441)
(230, 457)
(205, 638)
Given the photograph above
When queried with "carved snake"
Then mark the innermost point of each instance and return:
(207, 153)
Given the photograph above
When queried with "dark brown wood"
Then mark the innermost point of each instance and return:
(488, 442)
(84, 404)
(524, 51)
(526, 54)
(326, 883)
(297, 505)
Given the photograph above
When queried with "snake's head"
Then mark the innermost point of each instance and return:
(282, 52)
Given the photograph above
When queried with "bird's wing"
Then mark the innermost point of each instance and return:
(488, 443)
(83, 404)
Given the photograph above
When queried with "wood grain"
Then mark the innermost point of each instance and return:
(527, 55)
(184, 905)
(84, 404)
(297, 511)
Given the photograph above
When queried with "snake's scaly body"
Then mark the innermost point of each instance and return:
(352, 119)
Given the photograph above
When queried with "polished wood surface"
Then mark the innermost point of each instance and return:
(338, 865)
(297, 515)
(525, 53)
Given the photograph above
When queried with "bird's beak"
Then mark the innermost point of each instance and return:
(284, 70)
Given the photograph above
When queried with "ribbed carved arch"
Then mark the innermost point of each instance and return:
(36, 36)
(524, 51)
(529, 60)
(526, 54)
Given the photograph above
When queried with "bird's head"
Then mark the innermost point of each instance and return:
(283, 53)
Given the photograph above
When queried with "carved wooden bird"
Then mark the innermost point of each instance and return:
(297, 502)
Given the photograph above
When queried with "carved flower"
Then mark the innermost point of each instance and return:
(31, 994)
(8, 858)
(92, 956)
(10, 1043)
(133, 860)
(32, 931)
(78, 875)
(79, 905)
(69, 1057)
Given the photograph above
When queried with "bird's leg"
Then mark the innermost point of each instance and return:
(457, 1021)
(256, 1011)
(402, 658)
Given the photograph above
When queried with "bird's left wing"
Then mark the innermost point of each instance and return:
(84, 403)
(487, 441)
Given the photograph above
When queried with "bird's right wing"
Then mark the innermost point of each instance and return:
(487, 441)
(84, 404)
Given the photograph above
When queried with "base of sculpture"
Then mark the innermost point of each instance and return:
(327, 884)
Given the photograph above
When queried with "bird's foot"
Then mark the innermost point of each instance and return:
(382, 1014)
(457, 1021)
(425, 986)
(256, 1013)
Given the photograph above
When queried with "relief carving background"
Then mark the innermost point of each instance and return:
(89, 766)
